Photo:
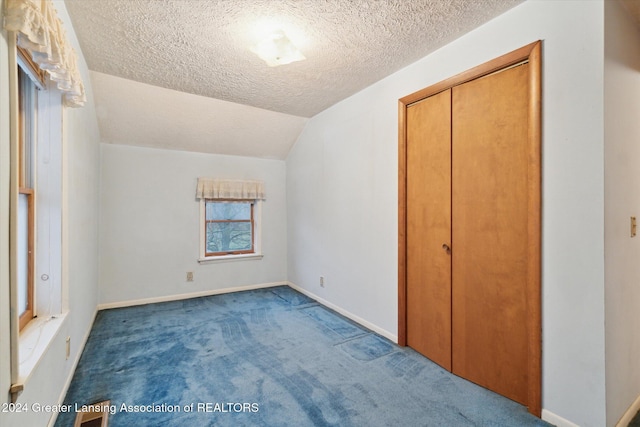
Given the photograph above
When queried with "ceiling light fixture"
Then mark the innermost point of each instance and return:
(276, 49)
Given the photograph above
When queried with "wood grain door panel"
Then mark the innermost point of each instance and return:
(490, 235)
(429, 227)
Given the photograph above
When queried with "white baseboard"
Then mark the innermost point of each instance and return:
(130, 303)
(556, 420)
(76, 360)
(631, 412)
(347, 314)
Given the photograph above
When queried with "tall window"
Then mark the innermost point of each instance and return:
(27, 100)
(229, 227)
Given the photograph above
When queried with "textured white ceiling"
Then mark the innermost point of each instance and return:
(203, 47)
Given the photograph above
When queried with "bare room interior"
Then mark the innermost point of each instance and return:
(286, 207)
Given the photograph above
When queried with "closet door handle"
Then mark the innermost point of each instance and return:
(446, 248)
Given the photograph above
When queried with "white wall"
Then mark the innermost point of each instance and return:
(149, 232)
(342, 194)
(80, 270)
(5, 369)
(622, 200)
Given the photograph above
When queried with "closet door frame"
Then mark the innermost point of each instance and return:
(532, 54)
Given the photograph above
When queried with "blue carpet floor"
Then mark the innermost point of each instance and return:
(269, 357)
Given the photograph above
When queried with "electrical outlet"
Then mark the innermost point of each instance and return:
(322, 281)
(189, 276)
(68, 347)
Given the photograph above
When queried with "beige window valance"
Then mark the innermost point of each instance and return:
(210, 188)
(41, 33)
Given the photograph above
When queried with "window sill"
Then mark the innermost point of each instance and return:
(228, 258)
(33, 342)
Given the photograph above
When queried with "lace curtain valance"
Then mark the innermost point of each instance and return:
(41, 33)
(209, 188)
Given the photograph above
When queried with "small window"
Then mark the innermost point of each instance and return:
(229, 227)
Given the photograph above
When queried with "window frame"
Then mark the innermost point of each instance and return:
(37, 75)
(29, 313)
(27, 145)
(256, 231)
(214, 221)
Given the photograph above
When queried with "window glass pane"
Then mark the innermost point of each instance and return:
(228, 210)
(23, 252)
(228, 237)
(27, 102)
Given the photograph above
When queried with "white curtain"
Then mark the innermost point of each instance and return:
(40, 32)
(210, 188)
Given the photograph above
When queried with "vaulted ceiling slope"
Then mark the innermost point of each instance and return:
(133, 113)
(203, 47)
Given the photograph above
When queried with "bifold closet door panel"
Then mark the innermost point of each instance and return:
(489, 237)
(429, 227)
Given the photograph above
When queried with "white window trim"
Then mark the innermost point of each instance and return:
(257, 238)
(34, 341)
(49, 195)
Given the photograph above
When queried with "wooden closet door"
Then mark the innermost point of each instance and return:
(490, 240)
(429, 227)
